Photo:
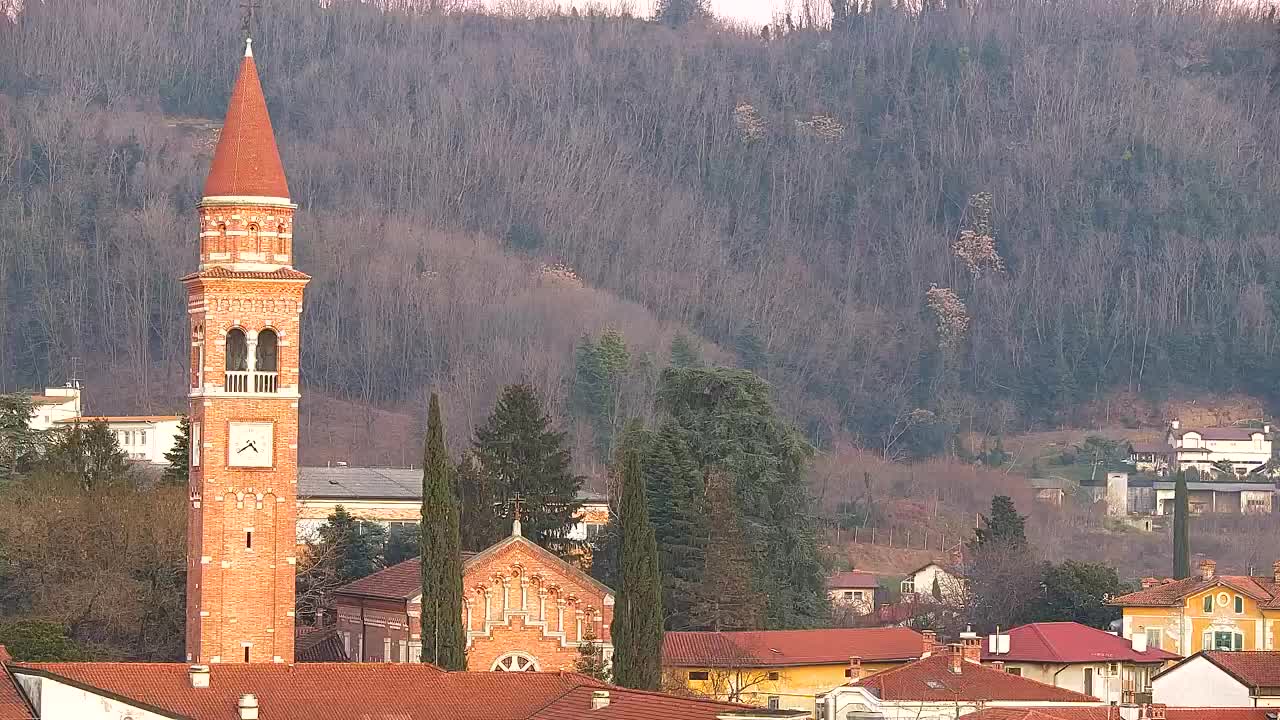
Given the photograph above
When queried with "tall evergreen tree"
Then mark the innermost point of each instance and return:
(727, 596)
(443, 637)
(1181, 528)
(729, 422)
(352, 546)
(684, 353)
(90, 454)
(178, 471)
(678, 13)
(677, 499)
(637, 613)
(481, 526)
(1004, 526)
(519, 452)
(600, 369)
(20, 446)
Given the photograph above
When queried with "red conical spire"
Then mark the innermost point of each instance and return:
(246, 161)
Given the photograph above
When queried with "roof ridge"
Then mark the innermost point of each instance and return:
(1044, 640)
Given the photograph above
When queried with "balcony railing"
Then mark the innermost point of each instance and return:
(243, 381)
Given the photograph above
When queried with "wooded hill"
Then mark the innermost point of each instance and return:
(790, 201)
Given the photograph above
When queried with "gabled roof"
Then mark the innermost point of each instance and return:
(1252, 668)
(1220, 433)
(853, 579)
(13, 705)
(405, 691)
(1071, 642)
(781, 648)
(246, 161)
(1112, 712)
(403, 581)
(1171, 593)
(931, 680)
(318, 645)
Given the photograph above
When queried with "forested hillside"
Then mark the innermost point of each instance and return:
(790, 201)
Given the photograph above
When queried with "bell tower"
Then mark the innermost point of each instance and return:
(245, 305)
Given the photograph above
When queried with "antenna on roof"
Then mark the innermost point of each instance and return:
(74, 380)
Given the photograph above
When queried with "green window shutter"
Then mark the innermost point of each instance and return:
(1208, 603)
(1239, 641)
(1239, 604)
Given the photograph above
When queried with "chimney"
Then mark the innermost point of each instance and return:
(1157, 711)
(599, 699)
(957, 657)
(1174, 424)
(1139, 642)
(1275, 571)
(971, 646)
(199, 675)
(931, 640)
(855, 668)
(1150, 582)
(248, 707)
(1207, 567)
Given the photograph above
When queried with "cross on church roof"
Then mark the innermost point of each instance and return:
(513, 502)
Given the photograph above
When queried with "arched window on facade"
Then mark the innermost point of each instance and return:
(282, 246)
(220, 242)
(237, 361)
(255, 238)
(266, 359)
(516, 662)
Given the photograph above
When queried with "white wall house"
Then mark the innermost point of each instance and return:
(1246, 449)
(919, 583)
(54, 405)
(1221, 678)
(143, 438)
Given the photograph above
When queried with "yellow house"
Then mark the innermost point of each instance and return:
(783, 669)
(1205, 612)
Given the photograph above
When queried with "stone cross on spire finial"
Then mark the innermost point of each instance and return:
(514, 502)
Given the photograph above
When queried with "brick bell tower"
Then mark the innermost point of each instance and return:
(245, 303)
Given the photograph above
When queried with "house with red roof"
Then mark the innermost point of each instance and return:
(854, 589)
(1220, 677)
(1081, 658)
(1123, 712)
(333, 691)
(1206, 611)
(783, 668)
(949, 683)
(523, 609)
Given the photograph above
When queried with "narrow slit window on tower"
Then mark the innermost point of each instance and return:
(248, 539)
(246, 654)
(255, 239)
(280, 243)
(220, 242)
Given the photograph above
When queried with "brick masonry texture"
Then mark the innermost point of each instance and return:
(241, 529)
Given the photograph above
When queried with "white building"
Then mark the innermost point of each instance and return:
(54, 405)
(143, 438)
(919, 583)
(1246, 449)
(1225, 678)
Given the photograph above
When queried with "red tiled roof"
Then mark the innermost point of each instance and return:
(853, 579)
(219, 272)
(246, 161)
(1070, 642)
(318, 645)
(1221, 433)
(931, 680)
(12, 706)
(403, 581)
(1112, 712)
(1255, 668)
(1171, 593)
(778, 648)
(340, 691)
(121, 418)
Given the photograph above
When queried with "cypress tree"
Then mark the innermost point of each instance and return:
(1181, 539)
(443, 638)
(637, 613)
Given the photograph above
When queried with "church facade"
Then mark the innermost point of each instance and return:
(244, 302)
(524, 610)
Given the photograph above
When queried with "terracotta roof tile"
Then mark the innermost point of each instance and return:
(219, 272)
(121, 419)
(1070, 642)
(318, 645)
(853, 579)
(931, 679)
(1112, 712)
(12, 706)
(778, 648)
(340, 691)
(1171, 593)
(246, 161)
(1256, 668)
